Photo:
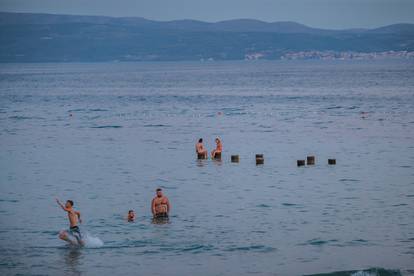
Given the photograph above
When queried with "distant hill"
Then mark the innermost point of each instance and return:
(26, 37)
(403, 29)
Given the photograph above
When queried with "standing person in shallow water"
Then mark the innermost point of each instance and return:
(160, 206)
(219, 148)
(73, 235)
(201, 151)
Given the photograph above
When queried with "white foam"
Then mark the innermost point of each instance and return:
(364, 273)
(91, 241)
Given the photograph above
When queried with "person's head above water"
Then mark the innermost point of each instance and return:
(131, 215)
(217, 140)
(159, 192)
(200, 140)
(69, 203)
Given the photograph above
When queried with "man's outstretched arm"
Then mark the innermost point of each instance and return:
(61, 205)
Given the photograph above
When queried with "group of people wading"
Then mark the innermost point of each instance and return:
(202, 153)
(160, 205)
(160, 208)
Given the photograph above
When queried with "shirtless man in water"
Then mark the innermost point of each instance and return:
(160, 205)
(74, 231)
(200, 148)
(218, 149)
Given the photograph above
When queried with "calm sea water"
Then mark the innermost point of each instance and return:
(107, 135)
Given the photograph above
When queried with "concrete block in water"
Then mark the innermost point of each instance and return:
(217, 156)
(235, 158)
(310, 160)
(201, 156)
(301, 163)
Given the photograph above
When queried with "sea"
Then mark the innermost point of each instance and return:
(107, 135)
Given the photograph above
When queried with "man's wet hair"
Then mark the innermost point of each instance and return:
(158, 190)
(130, 211)
(70, 202)
(200, 140)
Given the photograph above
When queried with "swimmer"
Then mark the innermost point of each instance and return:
(219, 148)
(131, 216)
(364, 114)
(74, 232)
(200, 150)
(160, 206)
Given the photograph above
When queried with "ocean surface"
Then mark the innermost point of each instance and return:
(106, 135)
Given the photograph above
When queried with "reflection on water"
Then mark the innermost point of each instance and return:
(201, 163)
(160, 220)
(217, 162)
(72, 256)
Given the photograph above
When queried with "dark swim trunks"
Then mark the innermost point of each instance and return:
(161, 215)
(75, 232)
(160, 218)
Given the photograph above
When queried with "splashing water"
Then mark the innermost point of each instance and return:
(92, 241)
(89, 240)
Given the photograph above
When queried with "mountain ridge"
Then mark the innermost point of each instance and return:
(242, 24)
(28, 37)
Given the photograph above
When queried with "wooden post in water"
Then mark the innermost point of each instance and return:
(201, 156)
(235, 159)
(332, 161)
(259, 159)
(310, 160)
(301, 163)
(217, 156)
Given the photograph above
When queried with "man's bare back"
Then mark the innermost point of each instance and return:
(200, 150)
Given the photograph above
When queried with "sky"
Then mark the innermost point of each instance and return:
(329, 14)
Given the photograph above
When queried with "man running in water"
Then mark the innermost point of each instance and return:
(160, 206)
(201, 151)
(74, 231)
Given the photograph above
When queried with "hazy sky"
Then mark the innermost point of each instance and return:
(317, 13)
